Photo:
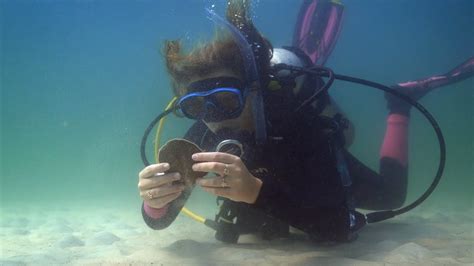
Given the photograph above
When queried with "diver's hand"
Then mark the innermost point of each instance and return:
(156, 188)
(234, 181)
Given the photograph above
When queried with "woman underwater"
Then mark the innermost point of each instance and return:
(299, 173)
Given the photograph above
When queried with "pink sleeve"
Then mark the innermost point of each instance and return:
(395, 143)
(153, 212)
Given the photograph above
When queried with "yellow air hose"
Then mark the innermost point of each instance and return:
(157, 148)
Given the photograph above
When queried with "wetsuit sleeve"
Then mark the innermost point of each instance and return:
(154, 212)
(162, 218)
(270, 192)
(163, 221)
(275, 193)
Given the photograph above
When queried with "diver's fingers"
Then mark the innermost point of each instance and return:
(222, 169)
(153, 169)
(158, 180)
(221, 157)
(160, 192)
(216, 182)
(162, 201)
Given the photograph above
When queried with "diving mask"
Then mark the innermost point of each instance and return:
(214, 99)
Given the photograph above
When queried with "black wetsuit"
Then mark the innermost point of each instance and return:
(302, 184)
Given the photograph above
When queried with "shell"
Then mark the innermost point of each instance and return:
(177, 152)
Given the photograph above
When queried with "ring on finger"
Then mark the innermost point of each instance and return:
(224, 184)
(226, 169)
(149, 194)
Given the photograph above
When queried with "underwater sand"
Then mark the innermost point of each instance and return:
(91, 235)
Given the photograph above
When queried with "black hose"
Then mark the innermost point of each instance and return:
(147, 132)
(384, 215)
(326, 72)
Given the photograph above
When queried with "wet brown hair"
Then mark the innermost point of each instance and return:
(222, 53)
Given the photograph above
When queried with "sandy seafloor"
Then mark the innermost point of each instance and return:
(92, 235)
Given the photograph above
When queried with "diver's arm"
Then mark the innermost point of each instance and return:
(331, 110)
(159, 195)
(155, 213)
(160, 218)
(163, 221)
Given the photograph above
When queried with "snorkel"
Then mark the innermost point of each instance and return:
(251, 83)
(252, 78)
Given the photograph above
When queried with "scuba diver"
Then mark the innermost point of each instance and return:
(289, 164)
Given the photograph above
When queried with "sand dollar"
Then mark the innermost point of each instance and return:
(178, 152)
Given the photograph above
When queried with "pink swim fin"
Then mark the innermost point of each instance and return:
(317, 28)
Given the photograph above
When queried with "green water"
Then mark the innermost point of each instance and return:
(81, 80)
